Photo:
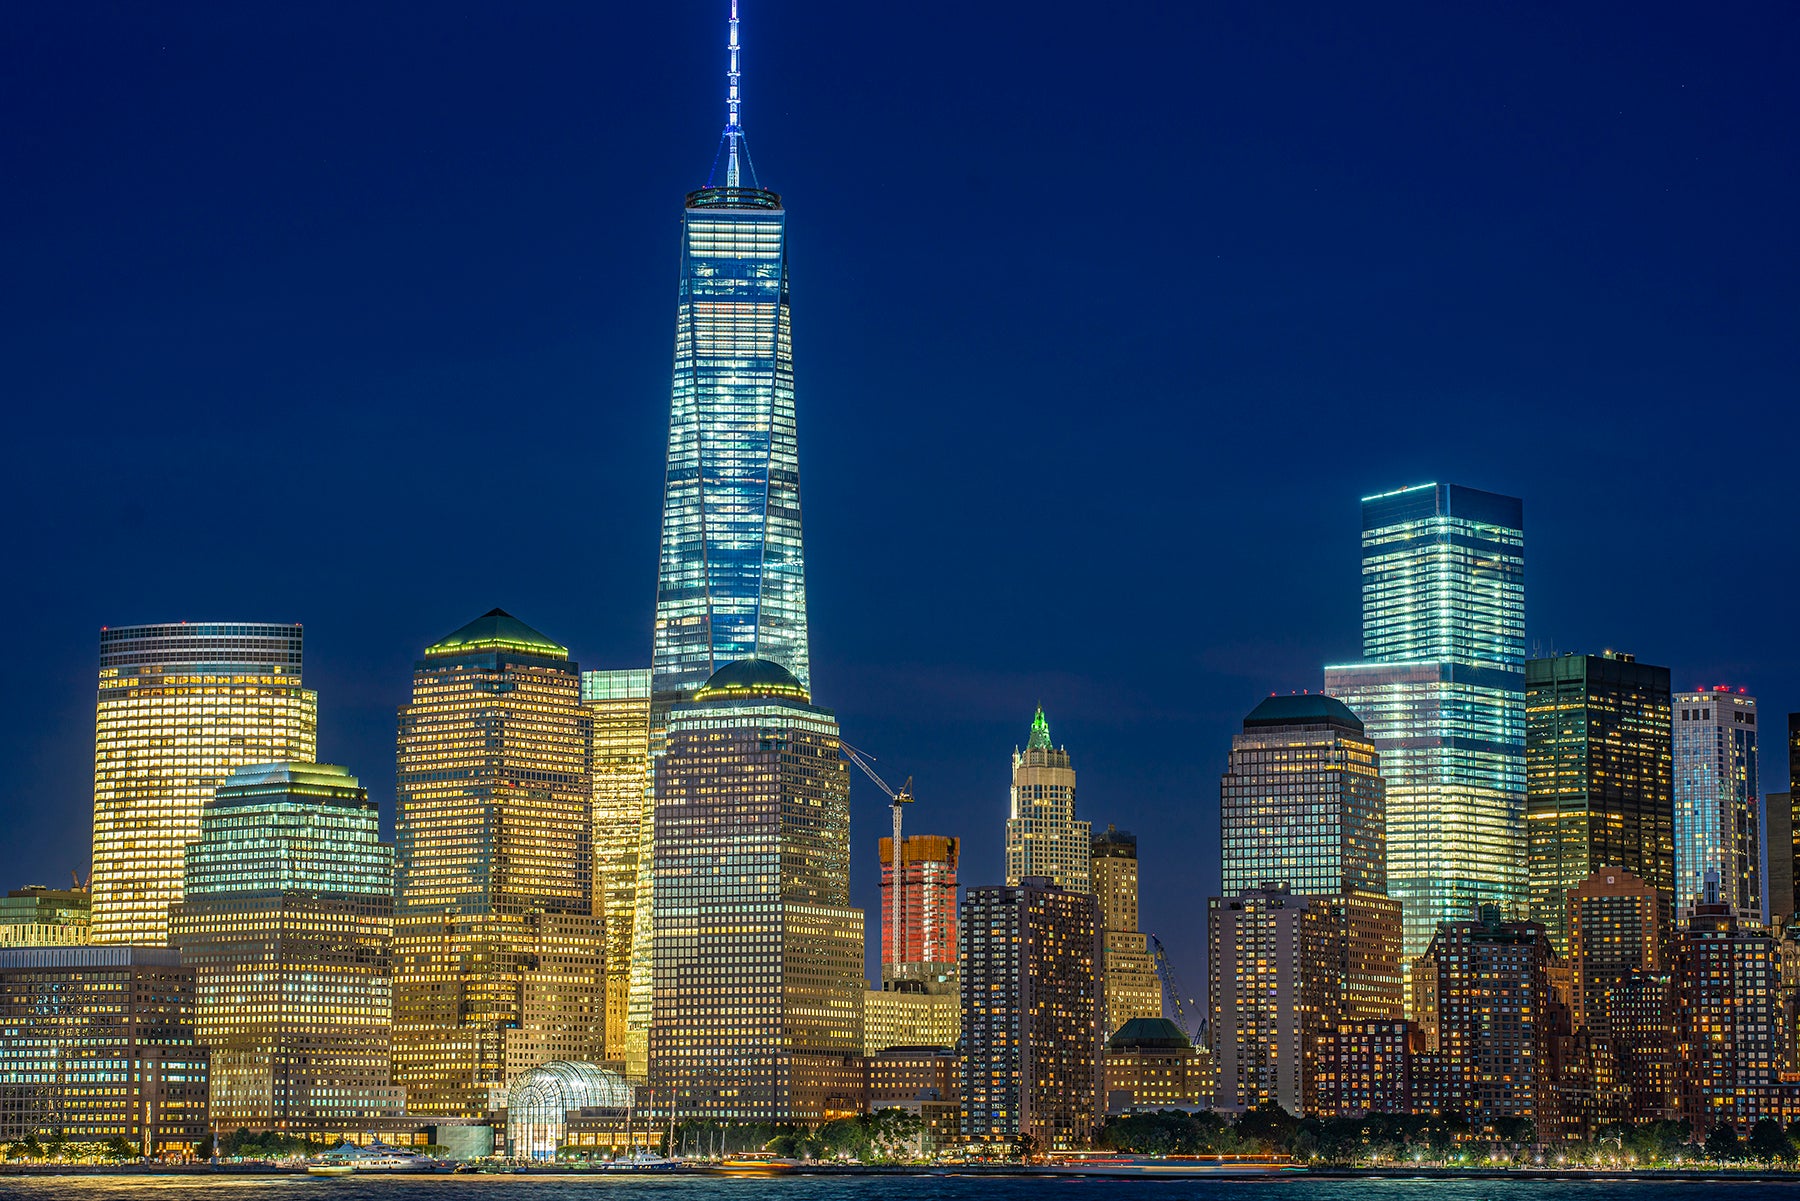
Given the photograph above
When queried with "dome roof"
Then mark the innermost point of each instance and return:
(1307, 709)
(751, 678)
(561, 1086)
(1149, 1034)
(496, 630)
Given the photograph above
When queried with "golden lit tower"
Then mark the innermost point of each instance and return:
(758, 953)
(1133, 989)
(288, 925)
(180, 706)
(498, 952)
(1042, 836)
(619, 704)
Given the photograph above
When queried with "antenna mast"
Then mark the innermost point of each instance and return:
(734, 130)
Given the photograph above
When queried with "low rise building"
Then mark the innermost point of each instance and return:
(1150, 1064)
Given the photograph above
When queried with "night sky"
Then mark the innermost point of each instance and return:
(1105, 317)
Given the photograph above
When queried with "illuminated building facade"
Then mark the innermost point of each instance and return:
(1133, 990)
(1493, 1014)
(731, 575)
(36, 916)
(287, 922)
(1042, 836)
(1274, 975)
(1441, 690)
(1727, 977)
(498, 954)
(618, 702)
(927, 900)
(1149, 1064)
(1032, 1015)
(1617, 926)
(1783, 837)
(1599, 784)
(758, 954)
(1303, 803)
(180, 706)
(1717, 798)
(1371, 1067)
(906, 1015)
(98, 1043)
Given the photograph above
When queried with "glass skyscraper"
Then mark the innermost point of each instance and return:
(619, 704)
(180, 705)
(288, 923)
(732, 580)
(1718, 837)
(1441, 692)
(1597, 766)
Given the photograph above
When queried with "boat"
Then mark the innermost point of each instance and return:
(642, 1161)
(751, 1164)
(377, 1156)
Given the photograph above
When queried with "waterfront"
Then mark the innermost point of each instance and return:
(871, 1188)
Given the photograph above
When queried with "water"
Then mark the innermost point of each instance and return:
(856, 1188)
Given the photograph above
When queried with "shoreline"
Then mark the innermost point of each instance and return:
(1339, 1174)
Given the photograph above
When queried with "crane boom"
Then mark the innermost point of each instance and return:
(896, 799)
(1165, 971)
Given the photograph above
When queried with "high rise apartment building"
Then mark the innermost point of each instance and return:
(758, 954)
(1132, 988)
(618, 704)
(1727, 977)
(1492, 1017)
(1599, 783)
(1042, 836)
(1718, 841)
(498, 954)
(180, 706)
(1031, 997)
(1441, 690)
(926, 896)
(1302, 804)
(287, 923)
(1617, 927)
(98, 1043)
(1273, 971)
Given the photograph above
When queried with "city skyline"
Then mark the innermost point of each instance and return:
(938, 703)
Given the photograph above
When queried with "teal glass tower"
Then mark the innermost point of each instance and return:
(1441, 692)
(731, 583)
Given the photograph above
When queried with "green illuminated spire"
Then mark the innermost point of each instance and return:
(1040, 732)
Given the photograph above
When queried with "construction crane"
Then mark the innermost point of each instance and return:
(896, 799)
(1165, 971)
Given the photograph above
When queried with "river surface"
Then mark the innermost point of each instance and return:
(862, 1188)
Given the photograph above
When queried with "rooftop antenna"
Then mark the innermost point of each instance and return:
(732, 142)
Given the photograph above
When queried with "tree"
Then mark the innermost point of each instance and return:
(1769, 1141)
(1025, 1147)
(1722, 1143)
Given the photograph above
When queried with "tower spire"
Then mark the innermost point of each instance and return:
(732, 143)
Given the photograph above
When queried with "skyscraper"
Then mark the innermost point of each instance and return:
(758, 955)
(1727, 1013)
(731, 576)
(732, 581)
(1617, 927)
(618, 702)
(288, 924)
(1783, 838)
(1441, 690)
(1717, 834)
(1132, 988)
(1031, 1037)
(181, 705)
(1273, 967)
(1598, 778)
(1042, 836)
(926, 895)
(1302, 804)
(498, 952)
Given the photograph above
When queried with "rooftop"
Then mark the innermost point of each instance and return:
(1149, 1034)
(496, 630)
(747, 678)
(1306, 709)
